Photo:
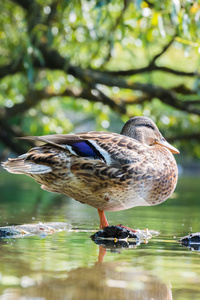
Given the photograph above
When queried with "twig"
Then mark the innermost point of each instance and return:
(151, 68)
(165, 48)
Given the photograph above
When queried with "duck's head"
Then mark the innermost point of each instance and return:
(145, 131)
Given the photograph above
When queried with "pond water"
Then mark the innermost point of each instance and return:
(69, 265)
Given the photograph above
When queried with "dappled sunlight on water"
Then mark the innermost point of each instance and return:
(69, 265)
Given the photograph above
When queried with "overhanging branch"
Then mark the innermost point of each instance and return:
(34, 97)
(10, 69)
(185, 137)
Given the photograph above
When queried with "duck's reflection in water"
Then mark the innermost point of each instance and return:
(108, 281)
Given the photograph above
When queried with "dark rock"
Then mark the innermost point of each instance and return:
(114, 232)
(192, 241)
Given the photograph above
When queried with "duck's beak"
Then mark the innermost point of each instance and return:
(164, 143)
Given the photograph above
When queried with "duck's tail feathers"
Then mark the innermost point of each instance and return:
(20, 166)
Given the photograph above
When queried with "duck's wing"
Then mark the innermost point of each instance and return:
(95, 157)
(110, 148)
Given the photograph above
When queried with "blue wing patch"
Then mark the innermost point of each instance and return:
(86, 149)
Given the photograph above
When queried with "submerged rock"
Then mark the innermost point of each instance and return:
(32, 229)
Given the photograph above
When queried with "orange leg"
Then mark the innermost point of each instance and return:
(103, 220)
(102, 253)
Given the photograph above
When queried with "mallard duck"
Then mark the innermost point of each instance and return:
(108, 171)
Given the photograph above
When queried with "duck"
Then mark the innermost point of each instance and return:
(108, 171)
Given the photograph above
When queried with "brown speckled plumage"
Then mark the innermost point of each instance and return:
(108, 171)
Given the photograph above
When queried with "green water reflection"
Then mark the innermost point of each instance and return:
(64, 265)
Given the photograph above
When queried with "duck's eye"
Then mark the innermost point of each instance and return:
(149, 126)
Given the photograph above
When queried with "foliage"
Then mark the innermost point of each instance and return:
(83, 65)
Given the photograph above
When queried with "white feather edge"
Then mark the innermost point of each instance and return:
(70, 149)
(103, 152)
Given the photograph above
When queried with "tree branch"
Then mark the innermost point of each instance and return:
(191, 102)
(10, 69)
(34, 97)
(188, 136)
(54, 60)
(31, 100)
(183, 89)
(166, 96)
(137, 100)
(25, 4)
(165, 48)
(176, 72)
(151, 68)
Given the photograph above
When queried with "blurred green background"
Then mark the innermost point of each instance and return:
(72, 66)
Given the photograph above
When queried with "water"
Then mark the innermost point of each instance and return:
(69, 265)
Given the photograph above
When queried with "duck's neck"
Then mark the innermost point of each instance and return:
(136, 134)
